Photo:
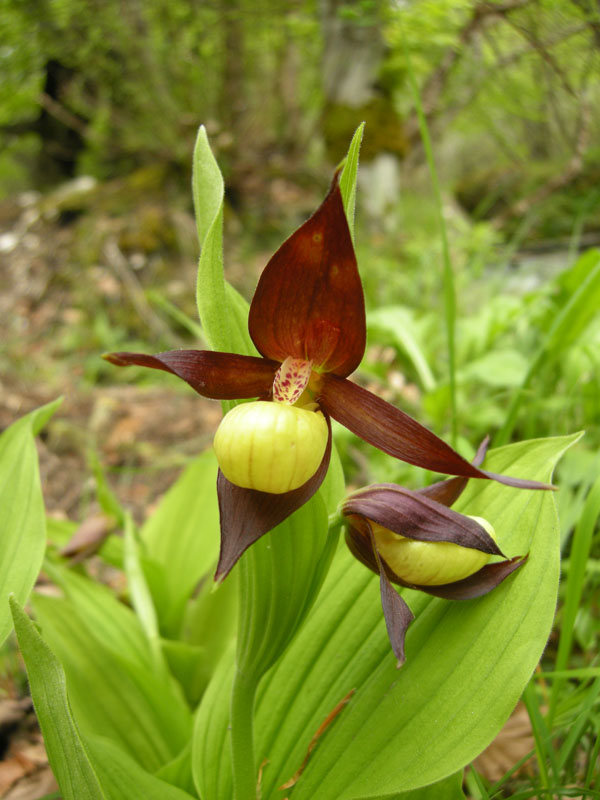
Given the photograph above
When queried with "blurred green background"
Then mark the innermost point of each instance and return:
(99, 106)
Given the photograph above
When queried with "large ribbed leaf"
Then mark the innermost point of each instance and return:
(280, 576)
(467, 662)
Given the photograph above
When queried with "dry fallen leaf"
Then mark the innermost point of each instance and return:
(88, 538)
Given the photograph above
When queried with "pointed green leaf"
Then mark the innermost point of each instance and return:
(571, 319)
(22, 521)
(67, 755)
(349, 175)
(208, 189)
(223, 316)
(467, 663)
(181, 540)
(580, 302)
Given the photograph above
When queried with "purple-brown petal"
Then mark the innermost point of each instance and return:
(247, 514)
(447, 492)
(476, 585)
(358, 541)
(220, 376)
(417, 517)
(396, 612)
(398, 434)
(309, 301)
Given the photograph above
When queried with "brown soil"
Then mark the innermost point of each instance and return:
(59, 306)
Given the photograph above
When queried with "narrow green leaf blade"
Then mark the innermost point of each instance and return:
(221, 314)
(208, 189)
(582, 304)
(66, 752)
(22, 522)
(398, 323)
(138, 588)
(211, 747)
(349, 175)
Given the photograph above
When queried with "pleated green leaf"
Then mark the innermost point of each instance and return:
(467, 662)
(86, 768)
(118, 687)
(22, 519)
(211, 749)
(67, 755)
(280, 576)
(279, 579)
(180, 541)
(110, 620)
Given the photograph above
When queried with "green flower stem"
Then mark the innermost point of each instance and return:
(242, 736)
(335, 522)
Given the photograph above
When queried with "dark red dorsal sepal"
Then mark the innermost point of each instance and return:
(309, 300)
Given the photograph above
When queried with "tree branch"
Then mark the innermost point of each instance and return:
(437, 81)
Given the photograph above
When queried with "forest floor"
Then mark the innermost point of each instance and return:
(50, 346)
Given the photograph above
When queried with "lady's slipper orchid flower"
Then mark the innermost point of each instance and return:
(307, 320)
(413, 539)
